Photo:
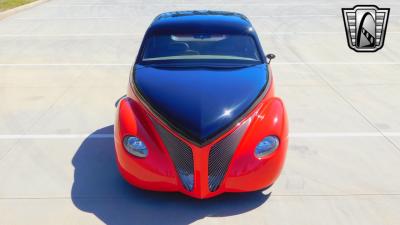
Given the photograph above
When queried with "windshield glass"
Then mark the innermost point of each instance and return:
(227, 48)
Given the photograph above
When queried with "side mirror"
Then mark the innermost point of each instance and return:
(270, 57)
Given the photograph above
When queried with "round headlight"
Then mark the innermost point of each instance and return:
(135, 146)
(267, 146)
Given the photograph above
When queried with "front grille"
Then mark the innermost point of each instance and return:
(221, 155)
(181, 155)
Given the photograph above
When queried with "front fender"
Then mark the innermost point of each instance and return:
(156, 171)
(247, 172)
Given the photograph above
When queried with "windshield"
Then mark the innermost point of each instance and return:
(226, 48)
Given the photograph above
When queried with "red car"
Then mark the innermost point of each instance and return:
(200, 116)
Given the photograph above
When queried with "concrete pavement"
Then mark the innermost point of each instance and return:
(63, 65)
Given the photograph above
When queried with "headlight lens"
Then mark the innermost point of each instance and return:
(267, 146)
(135, 146)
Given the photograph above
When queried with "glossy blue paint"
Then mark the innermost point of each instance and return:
(201, 101)
(200, 22)
(200, 98)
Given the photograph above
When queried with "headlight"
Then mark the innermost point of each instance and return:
(267, 146)
(135, 146)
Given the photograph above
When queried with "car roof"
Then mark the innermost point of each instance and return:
(175, 14)
(200, 21)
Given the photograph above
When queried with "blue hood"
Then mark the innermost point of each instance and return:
(201, 102)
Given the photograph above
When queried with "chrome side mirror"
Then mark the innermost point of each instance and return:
(270, 57)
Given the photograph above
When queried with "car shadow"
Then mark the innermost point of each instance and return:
(98, 188)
